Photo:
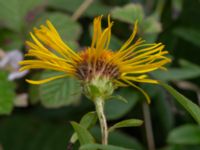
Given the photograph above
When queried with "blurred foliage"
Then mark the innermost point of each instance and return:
(96, 8)
(7, 94)
(44, 123)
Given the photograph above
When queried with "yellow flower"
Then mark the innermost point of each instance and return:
(125, 67)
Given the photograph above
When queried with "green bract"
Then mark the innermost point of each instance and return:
(98, 87)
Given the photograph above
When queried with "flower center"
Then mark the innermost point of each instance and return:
(92, 66)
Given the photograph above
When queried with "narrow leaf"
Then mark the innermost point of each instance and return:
(191, 107)
(84, 135)
(118, 97)
(87, 121)
(102, 147)
(126, 123)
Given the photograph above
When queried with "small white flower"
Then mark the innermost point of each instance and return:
(11, 59)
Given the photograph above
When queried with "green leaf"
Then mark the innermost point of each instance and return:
(121, 108)
(87, 121)
(7, 94)
(102, 147)
(150, 28)
(189, 34)
(68, 29)
(14, 12)
(184, 135)
(188, 70)
(126, 123)
(191, 107)
(60, 92)
(151, 25)
(84, 136)
(128, 13)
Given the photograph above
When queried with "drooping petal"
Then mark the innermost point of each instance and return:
(142, 80)
(45, 80)
(140, 89)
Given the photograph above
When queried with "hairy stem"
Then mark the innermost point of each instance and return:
(99, 103)
(148, 127)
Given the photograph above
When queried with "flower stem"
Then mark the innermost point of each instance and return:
(99, 103)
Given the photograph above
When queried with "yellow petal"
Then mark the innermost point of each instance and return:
(45, 80)
(140, 89)
(131, 38)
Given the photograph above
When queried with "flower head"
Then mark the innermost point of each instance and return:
(98, 67)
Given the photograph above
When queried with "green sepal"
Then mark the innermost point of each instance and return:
(98, 87)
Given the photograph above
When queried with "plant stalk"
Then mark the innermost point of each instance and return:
(83, 7)
(148, 127)
(99, 104)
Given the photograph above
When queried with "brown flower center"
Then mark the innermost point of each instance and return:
(92, 66)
